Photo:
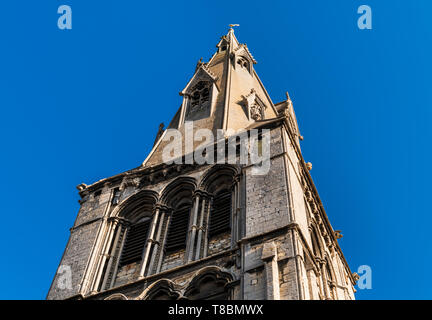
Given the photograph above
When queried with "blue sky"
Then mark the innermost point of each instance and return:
(83, 104)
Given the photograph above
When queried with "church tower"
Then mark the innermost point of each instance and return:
(192, 228)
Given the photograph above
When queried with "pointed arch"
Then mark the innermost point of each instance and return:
(138, 212)
(209, 283)
(180, 188)
(243, 58)
(178, 197)
(133, 206)
(117, 296)
(221, 184)
(199, 95)
(126, 237)
(219, 176)
(201, 74)
(163, 289)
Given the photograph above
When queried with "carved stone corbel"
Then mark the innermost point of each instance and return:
(81, 187)
(338, 234)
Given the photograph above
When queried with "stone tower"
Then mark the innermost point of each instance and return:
(188, 229)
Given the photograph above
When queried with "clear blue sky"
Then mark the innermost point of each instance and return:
(83, 104)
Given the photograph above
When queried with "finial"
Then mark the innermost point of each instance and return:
(234, 25)
(287, 96)
(81, 187)
(338, 234)
(199, 64)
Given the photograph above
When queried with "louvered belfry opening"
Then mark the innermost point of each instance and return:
(220, 215)
(136, 238)
(178, 228)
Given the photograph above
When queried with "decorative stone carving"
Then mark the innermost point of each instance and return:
(199, 94)
(255, 106)
(338, 234)
(314, 207)
(81, 187)
(256, 112)
(356, 277)
(199, 64)
(199, 97)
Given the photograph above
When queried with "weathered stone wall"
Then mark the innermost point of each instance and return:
(255, 284)
(93, 207)
(173, 260)
(127, 273)
(266, 199)
(75, 257)
(219, 243)
(272, 209)
(81, 242)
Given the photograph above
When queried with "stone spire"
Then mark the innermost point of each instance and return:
(223, 93)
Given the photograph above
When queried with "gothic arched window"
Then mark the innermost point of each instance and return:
(162, 290)
(178, 196)
(220, 215)
(178, 228)
(129, 232)
(200, 96)
(136, 239)
(243, 63)
(209, 289)
(211, 284)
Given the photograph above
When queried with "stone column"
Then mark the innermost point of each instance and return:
(104, 253)
(111, 257)
(192, 229)
(157, 240)
(200, 229)
(149, 243)
(124, 224)
(168, 213)
(235, 204)
(206, 226)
